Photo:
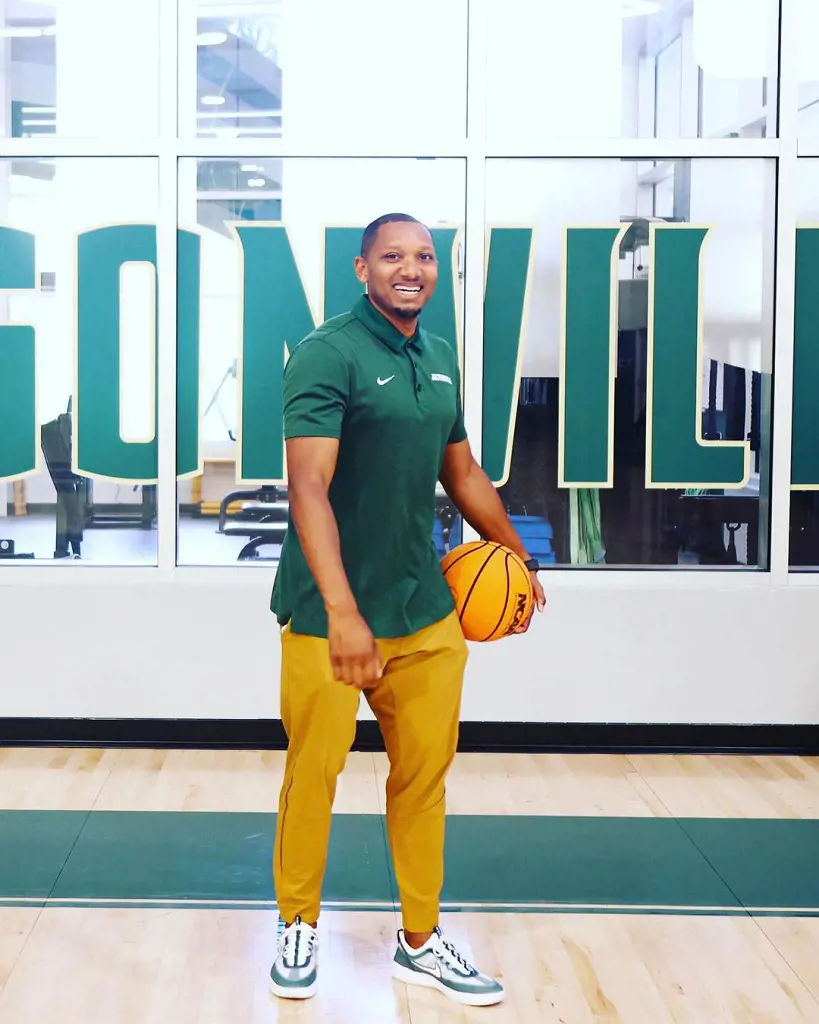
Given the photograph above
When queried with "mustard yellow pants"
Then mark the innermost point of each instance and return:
(417, 703)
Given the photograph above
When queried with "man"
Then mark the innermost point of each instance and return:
(373, 420)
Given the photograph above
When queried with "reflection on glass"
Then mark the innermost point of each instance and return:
(631, 69)
(297, 68)
(77, 360)
(325, 205)
(29, 38)
(629, 523)
(62, 76)
(808, 124)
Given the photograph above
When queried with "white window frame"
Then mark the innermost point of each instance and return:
(177, 82)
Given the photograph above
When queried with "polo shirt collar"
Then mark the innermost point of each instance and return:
(380, 326)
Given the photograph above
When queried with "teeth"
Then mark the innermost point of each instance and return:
(409, 291)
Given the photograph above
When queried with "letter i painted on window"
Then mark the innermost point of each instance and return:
(588, 356)
(19, 435)
(677, 457)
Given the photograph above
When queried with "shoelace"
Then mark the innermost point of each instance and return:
(443, 947)
(298, 942)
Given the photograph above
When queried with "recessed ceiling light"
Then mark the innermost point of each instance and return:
(21, 32)
(255, 182)
(212, 101)
(640, 8)
(211, 38)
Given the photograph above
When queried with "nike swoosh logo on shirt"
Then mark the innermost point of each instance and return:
(381, 382)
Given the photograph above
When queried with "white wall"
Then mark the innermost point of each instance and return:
(598, 654)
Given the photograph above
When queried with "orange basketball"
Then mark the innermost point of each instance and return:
(492, 589)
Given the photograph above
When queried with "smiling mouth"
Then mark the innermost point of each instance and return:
(405, 289)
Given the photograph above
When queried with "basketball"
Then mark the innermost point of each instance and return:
(492, 589)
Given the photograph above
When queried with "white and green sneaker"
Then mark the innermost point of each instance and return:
(294, 975)
(438, 964)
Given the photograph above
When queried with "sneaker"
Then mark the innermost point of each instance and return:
(294, 975)
(438, 964)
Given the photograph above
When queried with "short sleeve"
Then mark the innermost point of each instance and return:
(316, 391)
(458, 432)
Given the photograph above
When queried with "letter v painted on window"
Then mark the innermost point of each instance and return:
(20, 446)
(588, 355)
(509, 260)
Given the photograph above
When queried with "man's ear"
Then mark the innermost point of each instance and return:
(361, 269)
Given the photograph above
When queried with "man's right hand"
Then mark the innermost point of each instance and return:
(353, 650)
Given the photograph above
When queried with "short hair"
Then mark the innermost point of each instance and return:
(370, 232)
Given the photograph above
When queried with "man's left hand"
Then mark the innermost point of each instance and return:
(539, 602)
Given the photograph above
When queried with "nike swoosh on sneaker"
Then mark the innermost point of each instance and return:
(428, 967)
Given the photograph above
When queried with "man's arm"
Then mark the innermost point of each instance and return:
(311, 463)
(316, 394)
(479, 503)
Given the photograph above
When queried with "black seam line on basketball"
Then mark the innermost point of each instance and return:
(495, 550)
(471, 551)
(505, 603)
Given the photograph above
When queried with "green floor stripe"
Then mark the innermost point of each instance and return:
(34, 846)
(493, 863)
(765, 862)
(578, 860)
(148, 855)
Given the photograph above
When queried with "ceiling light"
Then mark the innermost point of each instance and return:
(21, 32)
(251, 168)
(211, 38)
(238, 9)
(640, 8)
(255, 182)
(243, 113)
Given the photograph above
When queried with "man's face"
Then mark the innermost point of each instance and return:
(400, 270)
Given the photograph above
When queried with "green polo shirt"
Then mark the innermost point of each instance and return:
(394, 404)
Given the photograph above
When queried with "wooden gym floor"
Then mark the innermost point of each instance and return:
(135, 888)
